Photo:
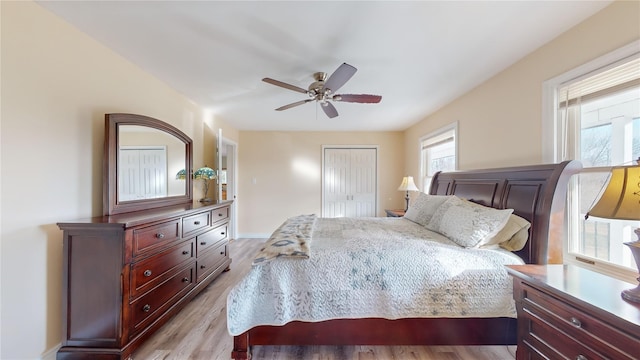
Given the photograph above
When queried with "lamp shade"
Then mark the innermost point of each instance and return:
(181, 175)
(205, 172)
(621, 198)
(408, 184)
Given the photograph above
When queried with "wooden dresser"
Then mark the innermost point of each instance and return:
(567, 312)
(125, 275)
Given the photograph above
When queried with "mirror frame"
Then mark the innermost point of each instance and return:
(110, 203)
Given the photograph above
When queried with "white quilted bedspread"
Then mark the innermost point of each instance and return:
(374, 267)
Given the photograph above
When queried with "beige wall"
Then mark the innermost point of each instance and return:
(287, 168)
(499, 122)
(57, 84)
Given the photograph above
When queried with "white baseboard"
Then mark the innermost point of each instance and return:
(253, 236)
(51, 353)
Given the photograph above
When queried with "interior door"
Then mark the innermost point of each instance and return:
(349, 182)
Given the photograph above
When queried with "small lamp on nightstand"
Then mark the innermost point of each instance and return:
(407, 185)
(621, 200)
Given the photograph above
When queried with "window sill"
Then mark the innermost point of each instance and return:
(615, 271)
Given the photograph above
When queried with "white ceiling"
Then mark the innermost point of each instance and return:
(418, 55)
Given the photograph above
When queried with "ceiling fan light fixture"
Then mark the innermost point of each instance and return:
(322, 89)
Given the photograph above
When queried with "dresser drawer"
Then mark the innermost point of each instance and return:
(153, 304)
(554, 344)
(605, 340)
(195, 223)
(210, 239)
(155, 236)
(211, 261)
(149, 272)
(220, 214)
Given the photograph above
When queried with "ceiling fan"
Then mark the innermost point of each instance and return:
(323, 90)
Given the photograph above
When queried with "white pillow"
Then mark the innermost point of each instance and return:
(423, 208)
(467, 223)
(515, 227)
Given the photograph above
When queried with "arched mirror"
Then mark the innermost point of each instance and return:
(147, 162)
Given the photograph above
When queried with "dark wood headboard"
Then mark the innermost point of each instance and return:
(536, 193)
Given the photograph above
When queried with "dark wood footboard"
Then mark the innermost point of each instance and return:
(431, 331)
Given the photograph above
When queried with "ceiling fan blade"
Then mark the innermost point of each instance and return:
(285, 107)
(358, 98)
(284, 85)
(329, 109)
(339, 77)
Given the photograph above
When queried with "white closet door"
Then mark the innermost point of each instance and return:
(336, 181)
(128, 174)
(362, 183)
(143, 173)
(349, 184)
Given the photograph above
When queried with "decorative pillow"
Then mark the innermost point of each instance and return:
(514, 226)
(423, 208)
(467, 223)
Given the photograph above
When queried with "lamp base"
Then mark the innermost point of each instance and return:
(633, 295)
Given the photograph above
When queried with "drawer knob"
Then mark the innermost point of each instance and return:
(185, 252)
(581, 357)
(185, 279)
(147, 273)
(196, 223)
(221, 252)
(222, 233)
(160, 235)
(575, 322)
(202, 266)
(146, 308)
(219, 214)
(203, 243)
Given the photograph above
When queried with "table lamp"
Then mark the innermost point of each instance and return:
(621, 200)
(407, 185)
(205, 174)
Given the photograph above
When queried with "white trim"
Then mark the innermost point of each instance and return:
(551, 143)
(51, 353)
(453, 126)
(550, 152)
(253, 236)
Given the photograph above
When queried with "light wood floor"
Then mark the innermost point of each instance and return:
(199, 331)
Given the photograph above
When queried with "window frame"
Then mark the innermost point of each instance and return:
(423, 184)
(552, 144)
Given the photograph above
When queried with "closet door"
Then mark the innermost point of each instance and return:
(143, 173)
(349, 183)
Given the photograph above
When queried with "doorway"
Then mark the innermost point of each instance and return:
(227, 178)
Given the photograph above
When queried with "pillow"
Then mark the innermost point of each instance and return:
(467, 223)
(514, 226)
(518, 241)
(423, 208)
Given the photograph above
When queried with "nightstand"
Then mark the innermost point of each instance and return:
(569, 312)
(395, 213)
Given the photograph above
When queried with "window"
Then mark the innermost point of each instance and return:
(437, 153)
(597, 121)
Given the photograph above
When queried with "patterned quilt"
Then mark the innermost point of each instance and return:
(374, 267)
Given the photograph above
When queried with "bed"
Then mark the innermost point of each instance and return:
(536, 193)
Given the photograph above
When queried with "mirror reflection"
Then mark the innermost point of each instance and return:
(149, 161)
